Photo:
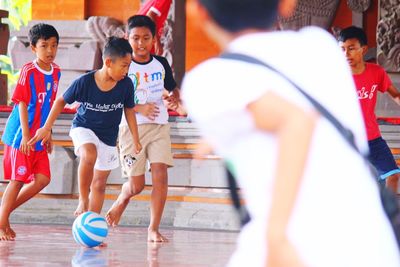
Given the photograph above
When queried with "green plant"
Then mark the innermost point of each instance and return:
(19, 13)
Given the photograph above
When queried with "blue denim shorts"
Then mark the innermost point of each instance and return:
(381, 158)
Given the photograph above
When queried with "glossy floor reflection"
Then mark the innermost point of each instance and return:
(53, 245)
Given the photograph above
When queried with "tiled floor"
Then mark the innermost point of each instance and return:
(53, 245)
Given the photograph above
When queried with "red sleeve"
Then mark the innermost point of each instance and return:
(162, 6)
(22, 90)
(385, 81)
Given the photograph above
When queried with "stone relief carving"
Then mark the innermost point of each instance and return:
(311, 12)
(388, 35)
(100, 28)
(359, 5)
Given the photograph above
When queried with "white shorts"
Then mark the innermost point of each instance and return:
(107, 156)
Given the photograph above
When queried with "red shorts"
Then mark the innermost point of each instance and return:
(20, 167)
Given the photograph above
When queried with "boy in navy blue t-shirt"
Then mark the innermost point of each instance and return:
(103, 95)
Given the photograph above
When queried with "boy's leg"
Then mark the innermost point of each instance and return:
(31, 189)
(97, 190)
(7, 203)
(158, 198)
(88, 156)
(130, 188)
(382, 159)
(27, 192)
(392, 182)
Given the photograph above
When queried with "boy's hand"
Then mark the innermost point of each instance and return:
(43, 134)
(137, 147)
(397, 100)
(171, 103)
(149, 110)
(283, 253)
(25, 147)
(49, 145)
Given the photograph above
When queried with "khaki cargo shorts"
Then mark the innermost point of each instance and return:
(156, 148)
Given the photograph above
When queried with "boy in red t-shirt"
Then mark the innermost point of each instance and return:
(370, 78)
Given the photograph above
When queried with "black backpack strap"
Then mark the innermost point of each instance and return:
(243, 213)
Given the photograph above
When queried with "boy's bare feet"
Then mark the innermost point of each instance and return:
(82, 208)
(155, 236)
(10, 232)
(115, 212)
(103, 245)
(4, 236)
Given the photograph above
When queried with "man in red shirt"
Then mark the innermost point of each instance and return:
(370, 78)
(157, 10)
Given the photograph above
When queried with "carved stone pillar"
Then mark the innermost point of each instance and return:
(311, 12)
(358, 7)
(388, 35)
(388, 52)
(4, 36)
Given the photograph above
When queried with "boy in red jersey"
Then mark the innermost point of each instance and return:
(370, 78)
(33, 97)
(157, 10)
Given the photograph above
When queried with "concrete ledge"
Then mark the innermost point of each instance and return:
(185, 207)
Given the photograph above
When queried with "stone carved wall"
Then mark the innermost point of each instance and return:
(311, 12)
(4, 36)
(358, 5)
(388, 35)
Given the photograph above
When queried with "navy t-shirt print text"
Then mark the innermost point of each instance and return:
(103, 107)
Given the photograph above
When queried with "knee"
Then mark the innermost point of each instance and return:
(42, 182)
(135, 188)
(88, 155)
(98, 186)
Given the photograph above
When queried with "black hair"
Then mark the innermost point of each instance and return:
(237, 15)
(141, 21)
(116, 47)
(353, 32)
(42, 31)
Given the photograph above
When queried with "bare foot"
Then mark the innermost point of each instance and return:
(82, 208)
(155, 236)
(115, 212)
(103, 245)
(4, 236)
(10, 232)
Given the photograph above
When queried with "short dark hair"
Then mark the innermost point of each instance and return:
(116, 47)
(353, 32)
(141, 21)
(42, 31)
(237, 15)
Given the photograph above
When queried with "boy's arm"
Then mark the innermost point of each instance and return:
(174, 102)
(293, 127)
(394, 93)
(149, 110)
(44, 133)
(132, 124)
(24, 147)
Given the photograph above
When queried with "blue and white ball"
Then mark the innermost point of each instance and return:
(89, 229)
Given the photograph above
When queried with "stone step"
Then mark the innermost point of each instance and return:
(201, 208)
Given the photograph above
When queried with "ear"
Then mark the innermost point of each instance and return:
(364, 49)
(107, 62)
(33, 48)
(286, 7)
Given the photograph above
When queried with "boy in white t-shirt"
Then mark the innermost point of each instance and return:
(151, 76)
(311, 197)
